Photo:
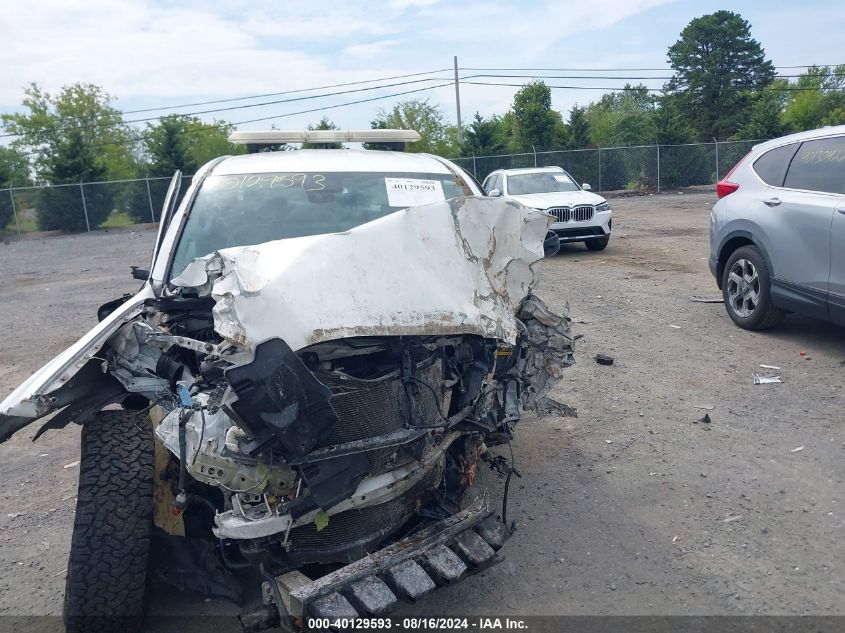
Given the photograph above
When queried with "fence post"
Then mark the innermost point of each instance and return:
(658, 168)
(84, 207)
(14, 212)
(534, 149)
(599, 189)
(150, 198)
(474, 171)
(717, 158)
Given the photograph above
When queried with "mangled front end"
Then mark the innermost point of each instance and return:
(323, 395)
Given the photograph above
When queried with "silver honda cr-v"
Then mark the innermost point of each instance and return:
(777, 233)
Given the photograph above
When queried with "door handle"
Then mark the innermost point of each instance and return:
(771, 202)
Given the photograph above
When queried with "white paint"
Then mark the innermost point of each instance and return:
(457, 267)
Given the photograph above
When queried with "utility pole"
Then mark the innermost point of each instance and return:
(458, 102)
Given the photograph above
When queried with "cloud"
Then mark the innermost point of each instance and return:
(371, 50)
(149, 52)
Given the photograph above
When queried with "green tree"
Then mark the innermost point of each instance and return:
(324, 124)
(484, 137)
(718, 65)
(577, 128)
(765, 113)
(84, 109)
(437, 136)
(173, 143)
(819, 99)
(64, 207)
(14, 172)
(167, 145)
(536, 125)
(622, 118)
(73, 136)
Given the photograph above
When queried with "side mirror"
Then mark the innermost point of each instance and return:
(140, 273)
(494, 193)
(586, 187)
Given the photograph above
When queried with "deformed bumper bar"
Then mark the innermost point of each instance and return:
(440, 554)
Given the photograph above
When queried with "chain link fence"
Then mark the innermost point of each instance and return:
(87, 206)
(640, 167)
(93, 205)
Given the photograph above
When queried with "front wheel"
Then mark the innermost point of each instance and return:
(106, 571)
(598, 244)
(746, 290)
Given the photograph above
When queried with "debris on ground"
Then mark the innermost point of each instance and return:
(765, 380)
(71, 465)
(604, 359)
(704, 420)
(705, 300)
(797, 449)
(677, 327)
(608, 441)
(731, 519)
(772, 367)
(706, 407)
(14, 515)
(548, 406)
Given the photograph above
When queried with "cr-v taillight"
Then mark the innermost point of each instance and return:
(725, 187)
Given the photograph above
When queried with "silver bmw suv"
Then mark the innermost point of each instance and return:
(777, 233)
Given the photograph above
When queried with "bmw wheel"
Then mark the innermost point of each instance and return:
(746, 290)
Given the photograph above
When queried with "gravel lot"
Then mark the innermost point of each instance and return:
(634, 507)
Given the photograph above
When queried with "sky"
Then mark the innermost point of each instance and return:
(152, 54)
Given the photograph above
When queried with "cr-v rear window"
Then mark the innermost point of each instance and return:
(771, 166)
(819, 166)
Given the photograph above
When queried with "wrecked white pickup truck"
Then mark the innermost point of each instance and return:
(326, 347)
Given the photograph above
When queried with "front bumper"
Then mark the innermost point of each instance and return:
(597, 228)
(441, 554)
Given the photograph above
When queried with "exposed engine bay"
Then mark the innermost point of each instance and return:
(311, 421)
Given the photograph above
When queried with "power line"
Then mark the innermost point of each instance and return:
(621, 78)
(616, 69)
(230, 108)
(636, 88)
(286, 92)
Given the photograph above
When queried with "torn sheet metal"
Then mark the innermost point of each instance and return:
(457, 267)
(30, 400)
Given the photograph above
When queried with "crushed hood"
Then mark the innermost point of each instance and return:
(457, 267)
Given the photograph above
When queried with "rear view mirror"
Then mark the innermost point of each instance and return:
(494, 193)
(586, 187)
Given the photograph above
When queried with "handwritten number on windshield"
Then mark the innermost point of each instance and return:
(308, 182)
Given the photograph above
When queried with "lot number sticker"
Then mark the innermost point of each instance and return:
(410, 192)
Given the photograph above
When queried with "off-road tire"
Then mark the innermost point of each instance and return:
(107, 566)
(766, 315)
(598, 244)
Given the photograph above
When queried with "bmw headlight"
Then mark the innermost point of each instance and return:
(603, 206)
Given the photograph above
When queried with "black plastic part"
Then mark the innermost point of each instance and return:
(140, 273)
(192, 564)
(333, 480)
(107, 308)
(276, 391)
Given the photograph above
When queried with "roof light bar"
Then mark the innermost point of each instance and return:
(274, 137)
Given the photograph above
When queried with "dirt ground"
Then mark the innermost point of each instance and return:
(633, 508)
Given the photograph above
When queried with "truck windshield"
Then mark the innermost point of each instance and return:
(540, 182)
(244, 209)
